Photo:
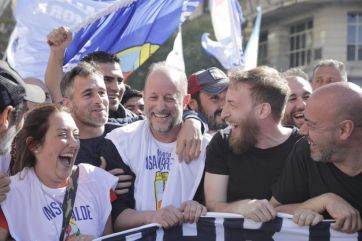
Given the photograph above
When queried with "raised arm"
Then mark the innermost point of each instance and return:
(58, 40)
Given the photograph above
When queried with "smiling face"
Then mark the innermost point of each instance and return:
(321, 130)
(113, 78)
(55, 156)
(238, 113)
(211, 106)
(300, 90)
(135, 104)
(164, 104)
(89, 103)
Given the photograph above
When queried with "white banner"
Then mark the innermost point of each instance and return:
(27, 51)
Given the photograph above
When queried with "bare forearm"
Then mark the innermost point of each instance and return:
(234, 207)
(54, 74)
(316, 204)
(131, 218)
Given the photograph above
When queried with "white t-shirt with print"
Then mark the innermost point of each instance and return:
(160, 179)
(34, 211)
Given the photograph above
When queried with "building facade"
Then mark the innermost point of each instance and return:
(298, 33)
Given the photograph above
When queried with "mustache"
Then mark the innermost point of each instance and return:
(217, 112)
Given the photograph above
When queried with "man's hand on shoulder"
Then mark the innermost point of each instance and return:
(189, 139)
(124, 180)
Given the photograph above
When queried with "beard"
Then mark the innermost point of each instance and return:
(240, 142)
(6, 139)
(212, 122)
(324, 153)
(167, 126)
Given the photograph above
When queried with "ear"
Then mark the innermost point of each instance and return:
(33, 147)
(187, 99)
(263, 110)
(345, 129)
(68, 103)
(193, 104)
(4, 117)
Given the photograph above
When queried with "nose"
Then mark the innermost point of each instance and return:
(300, 103)
(304, 129)
(73, 141)
(114, 86)
(225, 113)
(221, 102)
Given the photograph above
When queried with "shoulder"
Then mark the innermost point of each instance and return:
(221, 137)
(127, 131)
(92, 174)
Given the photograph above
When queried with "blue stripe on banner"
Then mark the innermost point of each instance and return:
(320, 232)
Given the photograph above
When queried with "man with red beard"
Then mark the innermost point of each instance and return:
(324, 172)
(300, 90)
(243, 161)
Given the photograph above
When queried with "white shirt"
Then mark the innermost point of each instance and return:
(34, 211)
(160, 179)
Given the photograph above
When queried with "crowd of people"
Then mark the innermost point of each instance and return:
(87, 155)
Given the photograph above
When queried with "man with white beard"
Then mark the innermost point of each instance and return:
(244, 160)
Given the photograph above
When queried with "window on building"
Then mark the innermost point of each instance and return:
(301, 43)
(263, 48)
(354, 42)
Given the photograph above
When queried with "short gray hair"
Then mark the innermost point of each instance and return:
(338, 65)
(175, 74)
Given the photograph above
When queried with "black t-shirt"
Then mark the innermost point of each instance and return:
(303, 178)
(90, 149)
(90, 152)
(251, 174)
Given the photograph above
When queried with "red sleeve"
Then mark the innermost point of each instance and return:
(3, 222)
(113, 196)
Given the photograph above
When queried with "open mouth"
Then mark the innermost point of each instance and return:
(66, 159)
(298, 115)
(160, 116)
(113, 97)
(232, 125)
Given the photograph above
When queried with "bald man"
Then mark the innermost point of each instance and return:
(324, 171)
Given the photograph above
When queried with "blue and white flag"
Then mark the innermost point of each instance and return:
(134, 31)
(251, 50)
(28, 51)
(226, 19)
(220, 227)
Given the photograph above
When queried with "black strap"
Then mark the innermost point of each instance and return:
(68, 201)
